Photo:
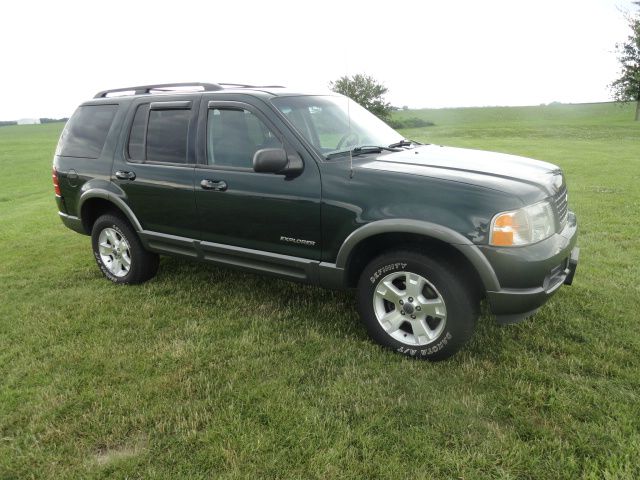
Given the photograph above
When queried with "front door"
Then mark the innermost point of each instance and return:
(239, 207)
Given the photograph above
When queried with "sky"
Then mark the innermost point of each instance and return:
(429, 54)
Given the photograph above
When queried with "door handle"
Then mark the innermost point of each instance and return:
(123, 175)
(217, 185)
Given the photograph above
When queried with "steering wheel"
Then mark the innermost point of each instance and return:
(348, 136)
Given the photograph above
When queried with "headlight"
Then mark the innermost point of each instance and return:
(522, 227)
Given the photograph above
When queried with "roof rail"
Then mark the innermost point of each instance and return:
(242, 85)
(146, 89)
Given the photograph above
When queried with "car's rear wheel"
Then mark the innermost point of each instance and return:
(119, 252)
(417, 305)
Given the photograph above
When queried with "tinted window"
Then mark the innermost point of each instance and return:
(86, 132)
(167, 136)
(136, 137)
(234, 135)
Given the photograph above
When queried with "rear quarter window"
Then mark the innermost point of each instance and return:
(86, 132)
(135, 146)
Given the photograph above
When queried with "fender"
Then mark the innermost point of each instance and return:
(113, 198)
(405, 225)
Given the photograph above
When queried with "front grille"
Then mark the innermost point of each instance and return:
(560, 201)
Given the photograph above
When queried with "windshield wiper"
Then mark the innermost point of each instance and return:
(404, 143)
(362, 150)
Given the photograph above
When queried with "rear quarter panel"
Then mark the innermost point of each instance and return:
(76, 175)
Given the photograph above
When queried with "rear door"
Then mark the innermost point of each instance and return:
(155, 168)
(262, 211)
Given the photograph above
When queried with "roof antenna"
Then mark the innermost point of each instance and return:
(349, 134)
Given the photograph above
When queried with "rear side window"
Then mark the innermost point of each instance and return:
(159, 135)
(86, 132)
(167, 136)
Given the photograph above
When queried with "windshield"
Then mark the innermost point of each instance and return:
(334, 124)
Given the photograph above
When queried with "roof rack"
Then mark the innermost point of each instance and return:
(147, 89)
(242, 85)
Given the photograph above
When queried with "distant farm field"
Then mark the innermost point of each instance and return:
(209, 373)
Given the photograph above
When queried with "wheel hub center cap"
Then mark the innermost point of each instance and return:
(408, 308)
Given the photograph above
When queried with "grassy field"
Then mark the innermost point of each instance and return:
(209, 373)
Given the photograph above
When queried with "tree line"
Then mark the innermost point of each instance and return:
(6, 123)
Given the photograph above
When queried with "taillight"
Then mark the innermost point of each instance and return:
(56, 185)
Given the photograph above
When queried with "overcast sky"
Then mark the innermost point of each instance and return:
(59, 53)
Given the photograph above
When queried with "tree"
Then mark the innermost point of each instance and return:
(627, 87)
(366, 91)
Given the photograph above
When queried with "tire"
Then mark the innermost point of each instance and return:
(431, 319)
(119, 252)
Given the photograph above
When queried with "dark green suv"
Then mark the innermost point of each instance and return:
(314, 188)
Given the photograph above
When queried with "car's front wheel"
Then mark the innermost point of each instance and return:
(119, 252)
(417, 305)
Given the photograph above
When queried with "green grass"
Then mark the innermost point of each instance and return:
(206, 372)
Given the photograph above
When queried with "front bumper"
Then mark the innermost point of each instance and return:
(529, 276)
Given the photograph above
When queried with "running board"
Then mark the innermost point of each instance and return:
(284, 266)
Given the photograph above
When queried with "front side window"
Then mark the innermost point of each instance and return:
(86, 132)
(234, 135)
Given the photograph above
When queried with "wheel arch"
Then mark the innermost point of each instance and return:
(377, 237)
(95, 203)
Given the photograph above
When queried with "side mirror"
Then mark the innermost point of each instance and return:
(276, 160)
(270, 160)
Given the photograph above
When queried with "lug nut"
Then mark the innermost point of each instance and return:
(418, 308)
(401, 302)
(411, 299)
(401, 312)
(413, 316)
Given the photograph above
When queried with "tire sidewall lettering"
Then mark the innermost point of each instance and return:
(386, 269)
(430, 350)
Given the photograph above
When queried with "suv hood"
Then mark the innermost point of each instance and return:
(491, 169)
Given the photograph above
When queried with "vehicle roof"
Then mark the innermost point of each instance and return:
(265, 92)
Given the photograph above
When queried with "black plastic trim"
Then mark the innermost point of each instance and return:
(283, 266)
(106, 195)
(74, 223)
(427, 229)
(512, 302)
(174, 105)
(572, 266)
